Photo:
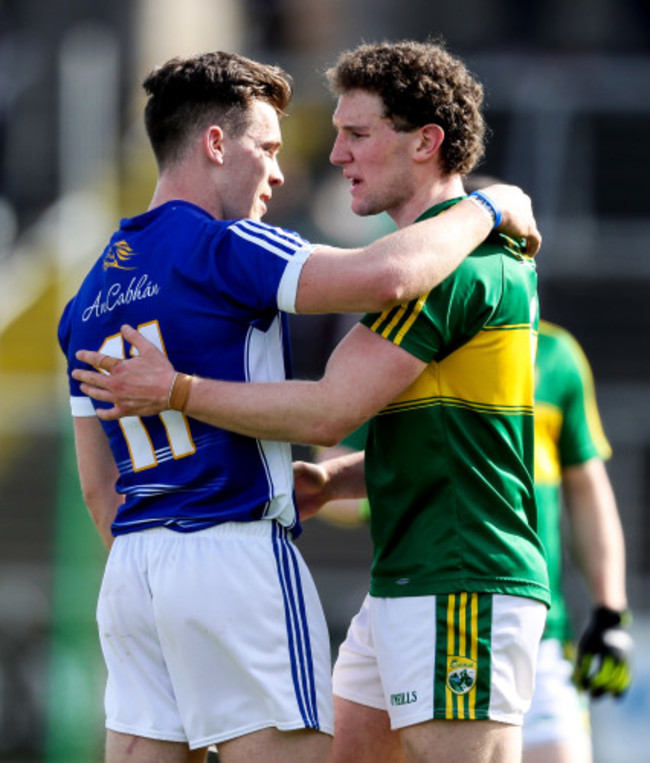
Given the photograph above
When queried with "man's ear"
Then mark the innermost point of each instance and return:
(213, 144)
(430, 139)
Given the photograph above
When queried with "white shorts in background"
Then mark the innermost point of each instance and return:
(458, 656)
(558, 712)
(213, 634)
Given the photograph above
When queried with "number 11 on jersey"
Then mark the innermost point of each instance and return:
(138, 440)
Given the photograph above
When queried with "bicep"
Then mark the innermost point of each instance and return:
(366, 372)
(333, 281)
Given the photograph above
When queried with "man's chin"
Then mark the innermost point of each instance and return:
(361, 211)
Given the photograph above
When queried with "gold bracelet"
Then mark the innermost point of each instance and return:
(179, 392)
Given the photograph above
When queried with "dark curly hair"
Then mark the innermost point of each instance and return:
(186, 95)
(419, 83)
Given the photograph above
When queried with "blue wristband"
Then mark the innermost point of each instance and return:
(486, 203)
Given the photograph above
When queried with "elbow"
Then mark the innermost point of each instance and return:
(102, 503)
(389, 290)
(91, 497)
(327, 437)
(330, 431)
(328, 440)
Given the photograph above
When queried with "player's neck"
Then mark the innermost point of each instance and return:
(428, 195)
(184, 188)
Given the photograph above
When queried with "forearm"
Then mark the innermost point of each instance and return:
(603, 654)
(364, 373)
(344, 512)
(345, 476)
(320, 486)
(596, 532)
(103, 513)
(299, 411)
(98, 474)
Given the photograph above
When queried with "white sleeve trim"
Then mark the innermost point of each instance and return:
(288, 288)
(81, 406)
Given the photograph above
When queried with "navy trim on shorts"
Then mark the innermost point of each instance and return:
(302, 668)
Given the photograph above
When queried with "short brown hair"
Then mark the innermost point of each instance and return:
(419, 84)
(189, 94)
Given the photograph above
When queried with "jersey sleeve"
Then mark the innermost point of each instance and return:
(80, 404)
(582, 436)
(439, 322)
(264, 263)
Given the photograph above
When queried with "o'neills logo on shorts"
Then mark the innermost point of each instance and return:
(403, 698)
(461, 674)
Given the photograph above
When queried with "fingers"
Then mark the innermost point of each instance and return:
(612, 678)
(600, 676)
(518, 219)
(107, 363)
(97, 393)
(92, 358)
(91, 379)
(136, 339)
(95, 385)
(581, 671)
(109, 414)
(91, 386)
(533, 243)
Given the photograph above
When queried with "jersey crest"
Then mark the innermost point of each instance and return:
(461, 674)
(119, 255)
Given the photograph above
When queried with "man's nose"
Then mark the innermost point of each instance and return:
(339, 154)
(276, 178)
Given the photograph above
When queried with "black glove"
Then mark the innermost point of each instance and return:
(603, 658)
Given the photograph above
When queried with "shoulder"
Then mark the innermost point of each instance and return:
(278, 240)
(495, 270)
(559, 350)
(560, 343)
(496, 255)
(63, 329)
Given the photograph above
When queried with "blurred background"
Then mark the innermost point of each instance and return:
(568, 105)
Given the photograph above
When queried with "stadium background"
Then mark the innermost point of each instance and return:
(568, 103)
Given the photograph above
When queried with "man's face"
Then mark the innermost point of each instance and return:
(251, 160)
(375, 158)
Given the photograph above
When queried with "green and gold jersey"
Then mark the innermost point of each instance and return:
(449, 463)
(568, 432)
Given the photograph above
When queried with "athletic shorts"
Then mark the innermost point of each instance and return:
(558, 712)
(213, 634)
(467, 656)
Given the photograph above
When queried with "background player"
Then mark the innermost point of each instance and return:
(570, 448)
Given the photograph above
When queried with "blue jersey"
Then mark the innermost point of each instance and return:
(213, 296)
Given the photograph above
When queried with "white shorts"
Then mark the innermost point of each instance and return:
(457, 656)
(558, 712)
(213, 634)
